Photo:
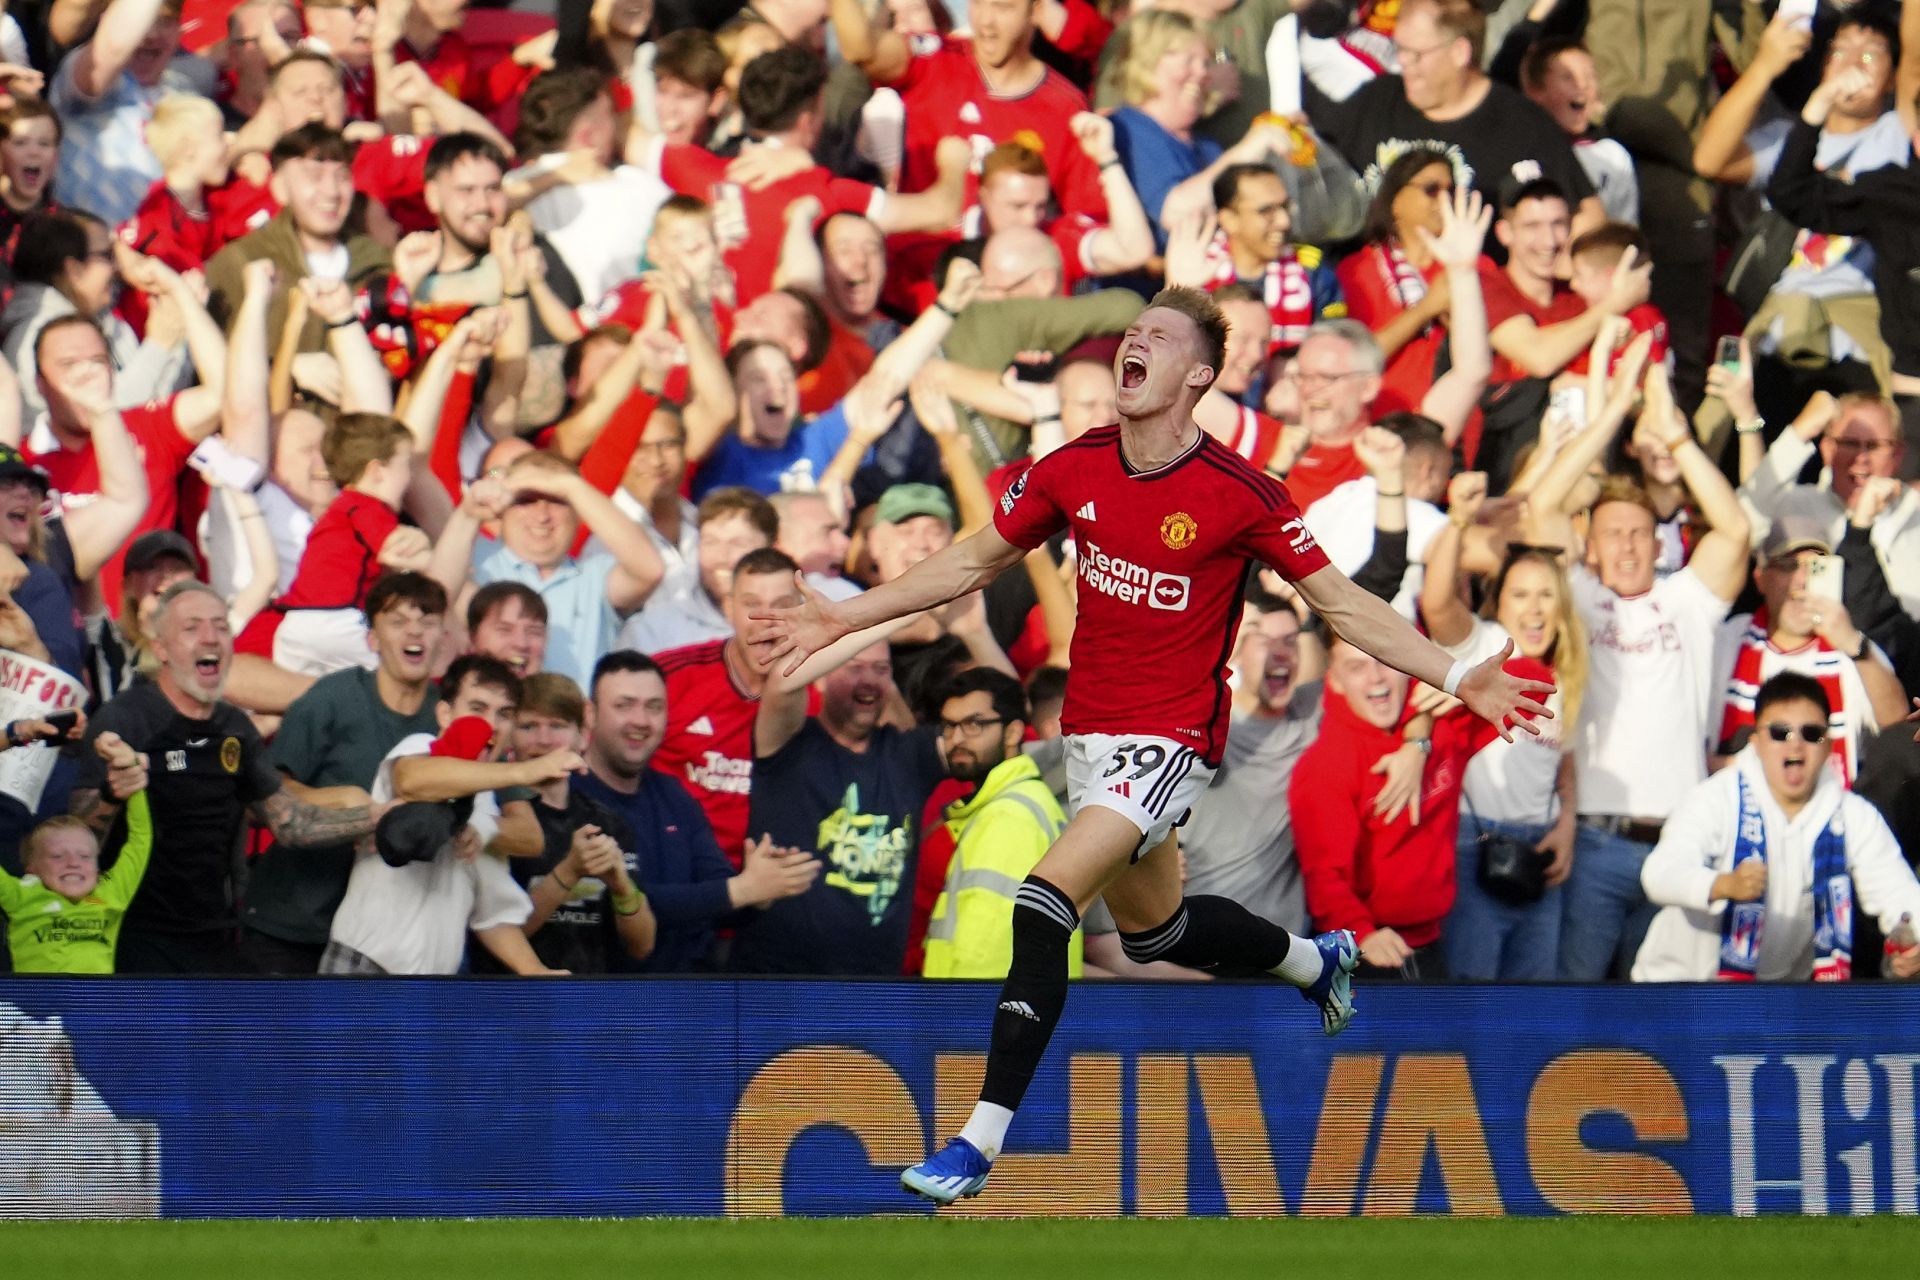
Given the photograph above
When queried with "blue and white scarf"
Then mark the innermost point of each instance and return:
(1743, 923)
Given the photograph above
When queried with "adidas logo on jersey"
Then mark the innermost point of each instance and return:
(1084, 513)
(702, 725)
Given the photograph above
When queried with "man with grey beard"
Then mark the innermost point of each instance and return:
(209, 770)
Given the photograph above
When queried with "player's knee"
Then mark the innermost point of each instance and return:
(1159, 942)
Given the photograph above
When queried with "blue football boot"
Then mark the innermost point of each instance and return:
(958, 1169)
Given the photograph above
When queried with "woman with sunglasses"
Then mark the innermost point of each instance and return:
(1762, 869)
(1506, 927)
(1394, 284)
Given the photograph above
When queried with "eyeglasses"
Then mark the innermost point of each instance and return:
(1849, 444)
(971, 728)
(1811, 734)
(1320, 379)
(673, 445)
(1409, 55)
(1432, 190)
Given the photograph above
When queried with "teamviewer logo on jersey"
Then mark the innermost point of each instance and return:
(1169, 591)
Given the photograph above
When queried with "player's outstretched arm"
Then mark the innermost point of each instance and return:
(1370, 623)
(816, 622)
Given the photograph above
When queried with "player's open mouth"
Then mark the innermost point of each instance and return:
(1133, 371)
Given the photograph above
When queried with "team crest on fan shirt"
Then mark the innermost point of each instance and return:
(230, 755)
(1179, 530)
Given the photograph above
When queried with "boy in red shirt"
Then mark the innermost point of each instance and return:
(319, 625)
(1595, 255)
(173, 222)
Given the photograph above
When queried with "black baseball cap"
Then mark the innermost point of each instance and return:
(155, 545)
(15, 467)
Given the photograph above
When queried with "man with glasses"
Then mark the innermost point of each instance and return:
(1441, 95)
(1336, 375)
(1293, 282)
(1797, 630)
(1000, 832)
(1858, 441)
(1762, 869)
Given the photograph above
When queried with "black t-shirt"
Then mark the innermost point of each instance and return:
(581, 935)
(202, 776)
(859, 812)
(1505, 138)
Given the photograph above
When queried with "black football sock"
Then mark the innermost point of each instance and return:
(1035, 991)
(1209, 933)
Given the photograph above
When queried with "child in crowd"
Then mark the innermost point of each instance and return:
(319, 625)
(63, 915)
(1594, 255)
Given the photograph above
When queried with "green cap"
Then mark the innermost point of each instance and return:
(905, 501)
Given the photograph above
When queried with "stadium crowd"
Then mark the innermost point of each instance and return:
(406, 409)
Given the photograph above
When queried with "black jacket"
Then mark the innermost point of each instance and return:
(1883, 207)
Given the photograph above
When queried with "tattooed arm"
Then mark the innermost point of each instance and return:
(296, 823)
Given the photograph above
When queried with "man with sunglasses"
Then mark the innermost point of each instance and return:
(1795, 629)
(1761, 869)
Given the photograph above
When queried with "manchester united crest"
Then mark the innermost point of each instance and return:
(1179, 530)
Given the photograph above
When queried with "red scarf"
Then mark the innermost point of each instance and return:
(1757, 660)
(1286, 288)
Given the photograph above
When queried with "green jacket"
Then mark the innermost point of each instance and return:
(1000, 834)
(988, 335)
(49, 933)
(226, 285)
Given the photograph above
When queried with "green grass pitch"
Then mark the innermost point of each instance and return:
(905, 1249)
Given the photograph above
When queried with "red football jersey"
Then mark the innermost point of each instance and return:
(697, 172)
(708, 745)
(164, 228)
(75, 477)
(339, 565)
(1645, 318)
(945, 96)
(393, 170)
(1163, 562)
(1322, 468)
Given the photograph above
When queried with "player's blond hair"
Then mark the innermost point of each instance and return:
(175, 120)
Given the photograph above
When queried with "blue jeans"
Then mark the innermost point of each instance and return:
(1488, 940)
(1607, 914)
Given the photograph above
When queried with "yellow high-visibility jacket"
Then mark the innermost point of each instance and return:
(999, 836)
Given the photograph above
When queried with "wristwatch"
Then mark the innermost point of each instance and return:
(1752, 426)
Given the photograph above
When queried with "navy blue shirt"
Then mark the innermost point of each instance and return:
(676, 862)
(859, 813)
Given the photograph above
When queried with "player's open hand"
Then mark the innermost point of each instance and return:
(1505, 701)
(793, 633)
